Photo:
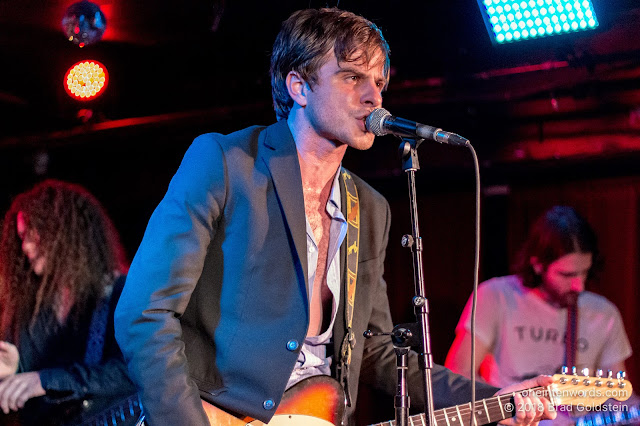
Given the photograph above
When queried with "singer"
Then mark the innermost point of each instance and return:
(238, 291)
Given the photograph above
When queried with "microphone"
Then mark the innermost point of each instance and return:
(380, 122)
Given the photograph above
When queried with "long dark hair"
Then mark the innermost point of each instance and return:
(561, 230)
(81, 245)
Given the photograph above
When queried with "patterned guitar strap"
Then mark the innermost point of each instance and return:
(353, 244)
(571, 338)
(572, 334)
(98, 326)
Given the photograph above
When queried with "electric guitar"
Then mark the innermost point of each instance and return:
(318, 401)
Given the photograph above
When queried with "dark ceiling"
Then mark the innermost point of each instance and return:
(209, 60)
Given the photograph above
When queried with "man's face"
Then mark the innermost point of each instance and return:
(31, 245)
(342, 97)
(565, 277)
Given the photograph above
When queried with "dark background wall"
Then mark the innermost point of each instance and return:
(553, 122)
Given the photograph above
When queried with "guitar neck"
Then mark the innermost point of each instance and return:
(487, 411)
(566, 389)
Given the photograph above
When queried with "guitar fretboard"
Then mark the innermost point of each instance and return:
(487, 410)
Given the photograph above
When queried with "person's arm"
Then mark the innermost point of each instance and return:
(162, 277)
(74, 382)
(487, 328)
(459, 356)
(9, 359)
(79, 381)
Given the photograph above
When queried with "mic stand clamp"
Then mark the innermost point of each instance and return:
(403, 336)
(409, 154)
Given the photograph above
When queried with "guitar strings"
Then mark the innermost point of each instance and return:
(463, 411)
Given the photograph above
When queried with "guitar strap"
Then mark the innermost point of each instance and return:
(98, 326)
(353, 244)
(571, 339)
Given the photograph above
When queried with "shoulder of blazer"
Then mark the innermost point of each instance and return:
(276, 137)
(247, 137)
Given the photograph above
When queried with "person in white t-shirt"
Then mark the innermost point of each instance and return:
(521, 319)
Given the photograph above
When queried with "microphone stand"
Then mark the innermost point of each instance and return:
(414, 335)
(410, 164)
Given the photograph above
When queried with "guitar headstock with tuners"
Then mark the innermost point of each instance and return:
(586, 391)
(567, 389)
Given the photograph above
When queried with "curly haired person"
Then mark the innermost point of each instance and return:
(61, 273)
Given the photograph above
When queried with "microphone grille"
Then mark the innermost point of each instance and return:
(375, 121)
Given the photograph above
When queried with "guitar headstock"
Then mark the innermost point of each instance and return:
(584, 390)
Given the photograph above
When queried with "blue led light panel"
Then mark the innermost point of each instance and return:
(511, 20)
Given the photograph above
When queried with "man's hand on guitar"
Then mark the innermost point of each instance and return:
(9, 358)
(530, 407)
(17, 389)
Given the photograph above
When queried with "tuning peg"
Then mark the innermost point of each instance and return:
(564, 371)
(574, 372)
(610, 379)
(598, 382)
(621, 376)
(585, 371)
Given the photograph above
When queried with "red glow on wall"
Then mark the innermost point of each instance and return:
(86, 80)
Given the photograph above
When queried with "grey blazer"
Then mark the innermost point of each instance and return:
(215, 305)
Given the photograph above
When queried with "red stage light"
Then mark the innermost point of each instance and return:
(86, 80)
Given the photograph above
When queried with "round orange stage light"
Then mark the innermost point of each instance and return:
(86, 80)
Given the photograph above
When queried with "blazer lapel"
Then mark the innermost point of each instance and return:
(281, 158)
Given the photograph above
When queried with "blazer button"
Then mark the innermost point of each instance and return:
(292, 345)
(268, 404)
